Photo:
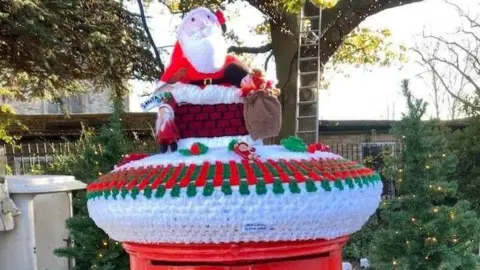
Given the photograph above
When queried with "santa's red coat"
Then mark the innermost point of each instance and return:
(178, 62)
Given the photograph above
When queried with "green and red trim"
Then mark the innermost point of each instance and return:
(338, 173)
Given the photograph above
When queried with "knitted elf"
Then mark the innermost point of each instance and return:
(165, 128)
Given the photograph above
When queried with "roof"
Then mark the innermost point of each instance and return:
(362, 126)
(60, 125)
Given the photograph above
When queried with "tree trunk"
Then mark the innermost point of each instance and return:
(285, 46)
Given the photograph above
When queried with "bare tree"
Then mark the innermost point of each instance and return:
(452, 65)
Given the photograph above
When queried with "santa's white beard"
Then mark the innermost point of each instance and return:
(162, 120)
(207, 55)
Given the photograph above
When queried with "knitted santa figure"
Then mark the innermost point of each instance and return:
(200, 55)
(166, 130)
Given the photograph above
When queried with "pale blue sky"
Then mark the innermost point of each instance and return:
(364, 94)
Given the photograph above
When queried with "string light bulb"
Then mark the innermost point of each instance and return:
(435, 210)
(394, 262)
(105, 243)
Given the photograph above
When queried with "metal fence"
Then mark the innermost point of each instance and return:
(23, 158)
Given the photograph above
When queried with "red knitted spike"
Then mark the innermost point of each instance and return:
(202, 179)
(186, 179)
(161, 177)
(173, 178)
(296, 174)
(311, 173)
(218, 178)
(251, 179)
(281, 174)
(267, 176)
(234, 176)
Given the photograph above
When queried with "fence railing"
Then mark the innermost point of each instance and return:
(21, 158)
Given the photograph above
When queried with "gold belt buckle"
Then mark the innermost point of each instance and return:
(207, 81)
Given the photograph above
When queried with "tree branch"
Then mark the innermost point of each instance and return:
(150, 38)
(340, 20)
(444, 84)
(254, 50)
(265, 66)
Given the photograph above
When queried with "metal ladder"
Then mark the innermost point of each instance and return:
(308, 80)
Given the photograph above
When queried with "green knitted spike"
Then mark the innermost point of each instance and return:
(226, 188)
(196, 172)
(271, 169)
(256, 170)
(106, 193)
(191, 190)
(241, 171)
(349, 182)
(89, 195)
(338, 184)
(226, 171)
(175, 192)
(293, 186)
(160, 192)
(310, 185)
(134, 192)
(326, 185)
(208, 189)
(114, 193)
(260, 187)
(147, 192)
(358, 181)
(244, 188)
(365, 181)
(123, 192)
(231, 144)
(211, 171)
(277, 187)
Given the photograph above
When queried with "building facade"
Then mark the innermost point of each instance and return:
(87, 103)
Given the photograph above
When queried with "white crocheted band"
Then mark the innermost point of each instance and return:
(237, 218)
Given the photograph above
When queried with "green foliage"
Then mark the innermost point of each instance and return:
(426, 226)
(364, 46)
(294, 6)
(7, 120)
(51, 47)
(466, 144)
(96, 153)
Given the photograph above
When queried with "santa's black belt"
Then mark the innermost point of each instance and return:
(209, 81)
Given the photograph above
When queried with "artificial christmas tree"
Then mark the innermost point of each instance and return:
(96, 154)
(426, 226)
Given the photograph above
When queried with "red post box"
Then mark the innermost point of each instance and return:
(298, 255)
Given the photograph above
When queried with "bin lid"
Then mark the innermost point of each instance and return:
(42, 183)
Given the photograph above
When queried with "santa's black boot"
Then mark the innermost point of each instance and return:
(162, 148)
(173, 147)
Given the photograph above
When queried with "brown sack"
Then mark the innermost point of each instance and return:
(263, 115)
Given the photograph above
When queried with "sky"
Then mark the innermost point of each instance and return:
(373, 94)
